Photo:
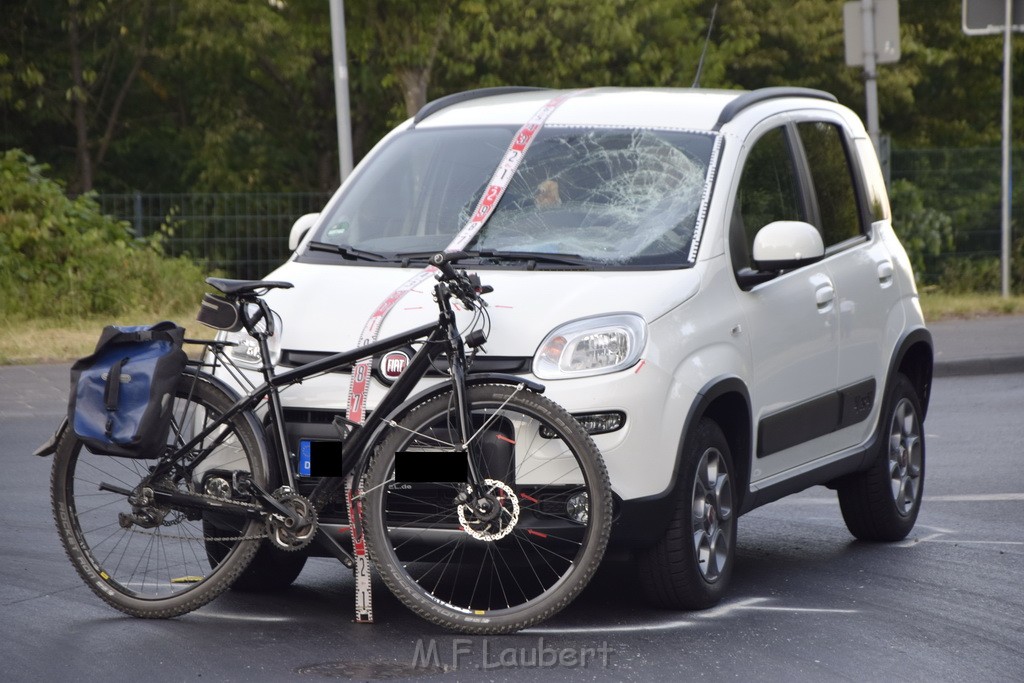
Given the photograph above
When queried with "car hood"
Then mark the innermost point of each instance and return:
(330, 304)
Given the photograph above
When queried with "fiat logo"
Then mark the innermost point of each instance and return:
(392, 365)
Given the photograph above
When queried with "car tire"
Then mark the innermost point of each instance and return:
(690, 566)
(882, 503)
(271, 570)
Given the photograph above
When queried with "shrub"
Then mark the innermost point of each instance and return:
(966, 275)
(61, 257)
(925, 232)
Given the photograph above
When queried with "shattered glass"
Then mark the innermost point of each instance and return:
(609, 197)
(614, 196)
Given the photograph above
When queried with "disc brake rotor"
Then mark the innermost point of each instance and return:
(492, 516)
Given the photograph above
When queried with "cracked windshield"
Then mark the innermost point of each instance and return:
(586, 197)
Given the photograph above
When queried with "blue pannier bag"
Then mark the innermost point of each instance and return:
(123, 394)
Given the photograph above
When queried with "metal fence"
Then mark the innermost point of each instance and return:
(966, 185)
(242, 235)
(246, 235)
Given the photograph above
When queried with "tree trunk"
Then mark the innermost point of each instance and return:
(414, 87)
(83, 160)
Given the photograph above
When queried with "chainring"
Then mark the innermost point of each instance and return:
(296, 536)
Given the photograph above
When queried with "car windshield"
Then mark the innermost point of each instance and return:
(592, 197)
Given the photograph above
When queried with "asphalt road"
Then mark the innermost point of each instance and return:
(807, 602)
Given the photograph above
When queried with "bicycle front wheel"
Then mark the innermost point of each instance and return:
(157, 560)
(521, 545)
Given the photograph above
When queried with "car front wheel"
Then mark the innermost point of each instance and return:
(690, 567)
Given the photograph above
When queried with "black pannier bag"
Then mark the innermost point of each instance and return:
(122, 395)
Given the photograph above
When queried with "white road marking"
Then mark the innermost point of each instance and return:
(723, 610)
(958, 542)
(962, 498)
(976, 498)
(239, 617)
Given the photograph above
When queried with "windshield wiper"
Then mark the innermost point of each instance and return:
(533, 257)
(347, 252)
(406, 257)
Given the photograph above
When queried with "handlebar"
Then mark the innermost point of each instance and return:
(465, 286)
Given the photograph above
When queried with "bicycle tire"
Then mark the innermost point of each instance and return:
(167, 569)
(460, 570)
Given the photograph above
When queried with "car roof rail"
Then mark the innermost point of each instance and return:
(440, 103)
(749, 99)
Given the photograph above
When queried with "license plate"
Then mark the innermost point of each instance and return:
(319, 458)
(304, 457)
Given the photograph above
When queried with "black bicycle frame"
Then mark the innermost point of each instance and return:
(439, 338)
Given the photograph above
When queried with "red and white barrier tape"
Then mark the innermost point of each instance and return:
(360, 381)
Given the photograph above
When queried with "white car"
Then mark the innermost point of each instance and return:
(709, 280)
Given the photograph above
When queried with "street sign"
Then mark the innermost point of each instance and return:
(988, 17)
(887, 32)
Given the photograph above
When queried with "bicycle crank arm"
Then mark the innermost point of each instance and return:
(270, 504)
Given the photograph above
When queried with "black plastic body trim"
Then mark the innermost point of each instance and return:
(440, 103)
(815, 418)
(643, 521)
(923, 380)
(854, 461)
(294, 358)
(749, 99)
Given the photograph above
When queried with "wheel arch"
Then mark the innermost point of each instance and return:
(914, 358)
(726, 401)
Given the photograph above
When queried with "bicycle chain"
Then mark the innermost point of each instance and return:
(254, 506)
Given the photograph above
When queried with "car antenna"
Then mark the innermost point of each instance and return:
(704, 51)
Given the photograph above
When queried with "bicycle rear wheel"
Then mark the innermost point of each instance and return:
(152, 560)
(523, 546)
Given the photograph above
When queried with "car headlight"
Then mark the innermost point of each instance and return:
(592, 346)
(246, 351)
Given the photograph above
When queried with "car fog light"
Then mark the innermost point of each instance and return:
(594, 423)
(578, 507)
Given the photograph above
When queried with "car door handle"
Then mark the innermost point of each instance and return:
(824, 295)
(885, 272)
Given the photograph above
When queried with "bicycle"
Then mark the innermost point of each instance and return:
(510, 535)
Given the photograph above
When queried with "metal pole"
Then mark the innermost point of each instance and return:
(1007, 93)
(867, 11)
(341, 103)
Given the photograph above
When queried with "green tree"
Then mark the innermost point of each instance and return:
(80, 88)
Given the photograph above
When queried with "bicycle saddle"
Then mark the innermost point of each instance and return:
(240, 287)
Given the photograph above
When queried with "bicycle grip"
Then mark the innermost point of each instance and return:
(442, 261)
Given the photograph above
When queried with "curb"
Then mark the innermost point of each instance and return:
(994, 365)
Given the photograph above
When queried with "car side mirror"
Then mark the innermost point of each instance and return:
(779, 246)
(299, 229)
(784, 245)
